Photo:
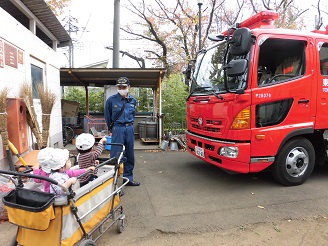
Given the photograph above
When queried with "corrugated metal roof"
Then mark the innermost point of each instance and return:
(99, 77)
(41, 11)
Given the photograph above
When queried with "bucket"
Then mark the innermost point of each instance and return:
(165, 145)
(174, 145)
(109, 140)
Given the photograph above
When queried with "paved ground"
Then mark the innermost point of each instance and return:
(185, 201)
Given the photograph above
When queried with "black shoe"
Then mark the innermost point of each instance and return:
(133, 183)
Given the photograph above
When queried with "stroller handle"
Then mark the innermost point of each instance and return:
(34, 176)
(84, 174)
(28, 175)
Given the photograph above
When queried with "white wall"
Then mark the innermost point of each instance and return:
(37, 53)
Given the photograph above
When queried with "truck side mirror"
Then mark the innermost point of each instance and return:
(187, 72)
(236, 67)
(241, 42)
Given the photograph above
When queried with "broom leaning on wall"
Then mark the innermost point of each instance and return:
(3, 125)
(47, 99)
(27, 95)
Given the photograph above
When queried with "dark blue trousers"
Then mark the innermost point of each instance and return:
(125, 135)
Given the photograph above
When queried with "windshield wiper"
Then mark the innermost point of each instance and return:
(216, 95)
(204, 89)
(199, 89)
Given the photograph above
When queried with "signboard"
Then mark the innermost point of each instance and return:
(20, 57)
(1, 54)
(10, 55)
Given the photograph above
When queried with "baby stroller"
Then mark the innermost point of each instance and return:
(43, 219)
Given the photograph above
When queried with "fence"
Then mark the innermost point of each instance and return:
(177, 128)
(96, 126)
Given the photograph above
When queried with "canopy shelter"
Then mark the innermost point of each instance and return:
(101, 77)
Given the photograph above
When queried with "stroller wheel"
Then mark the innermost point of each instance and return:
(87, 242)
(120, 225)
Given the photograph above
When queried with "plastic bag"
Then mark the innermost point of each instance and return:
(5, 188)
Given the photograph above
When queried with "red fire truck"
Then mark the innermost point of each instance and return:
(259, 100)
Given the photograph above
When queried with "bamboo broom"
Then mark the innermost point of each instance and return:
(27, 94)
(3, 125)
(47, 99)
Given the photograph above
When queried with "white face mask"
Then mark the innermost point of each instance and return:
(123, 92)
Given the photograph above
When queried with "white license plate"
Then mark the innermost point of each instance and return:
(199, 151)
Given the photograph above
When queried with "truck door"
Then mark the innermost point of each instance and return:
(321, 68)
(281, 95)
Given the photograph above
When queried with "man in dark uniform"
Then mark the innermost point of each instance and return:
(122, 121)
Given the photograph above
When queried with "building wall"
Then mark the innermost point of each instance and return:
(35, 52)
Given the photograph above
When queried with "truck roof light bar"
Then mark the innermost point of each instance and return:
(261, 19)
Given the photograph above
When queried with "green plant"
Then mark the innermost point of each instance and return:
(77, 93)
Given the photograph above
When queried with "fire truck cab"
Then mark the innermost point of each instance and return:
(259, 100)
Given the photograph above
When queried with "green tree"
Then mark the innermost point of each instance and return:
(144, 97)
(77, 93)
(174, 93)
(145, 100)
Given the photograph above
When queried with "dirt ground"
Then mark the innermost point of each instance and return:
(311, 231)
(173, 209)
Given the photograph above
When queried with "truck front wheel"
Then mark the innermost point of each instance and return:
(294, 163)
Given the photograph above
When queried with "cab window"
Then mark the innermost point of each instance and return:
(324, 59)
(280, 60)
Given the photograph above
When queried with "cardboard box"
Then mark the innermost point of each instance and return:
(69, 108)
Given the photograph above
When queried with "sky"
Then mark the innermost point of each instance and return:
(95, 23)
(95, 30)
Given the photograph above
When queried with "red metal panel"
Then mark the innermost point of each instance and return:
(17, 123)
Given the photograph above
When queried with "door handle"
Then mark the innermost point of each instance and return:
(201, 99)
(303, 101)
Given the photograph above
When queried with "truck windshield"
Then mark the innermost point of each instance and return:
(209, 72)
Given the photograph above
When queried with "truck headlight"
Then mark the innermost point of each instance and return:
(231, 152)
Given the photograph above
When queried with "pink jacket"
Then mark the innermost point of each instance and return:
(46, 184)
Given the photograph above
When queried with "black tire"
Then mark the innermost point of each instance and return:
(68, 135)
(120, 226)
(87, 242)
(294, 163)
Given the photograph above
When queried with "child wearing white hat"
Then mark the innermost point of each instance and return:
(87, 154)
(59, 163)
(44, 158)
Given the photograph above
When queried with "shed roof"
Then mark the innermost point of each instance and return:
(39, 8)
(98, 77)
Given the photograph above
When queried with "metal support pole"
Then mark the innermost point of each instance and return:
(116, 35)
(200, 23)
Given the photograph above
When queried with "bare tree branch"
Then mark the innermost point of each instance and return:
(139, 60)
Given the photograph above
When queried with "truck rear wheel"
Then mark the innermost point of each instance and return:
(294, 163)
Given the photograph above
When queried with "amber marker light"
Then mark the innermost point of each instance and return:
(242, 120)
(260, 136)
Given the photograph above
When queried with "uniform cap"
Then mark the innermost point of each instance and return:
(123, 81)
